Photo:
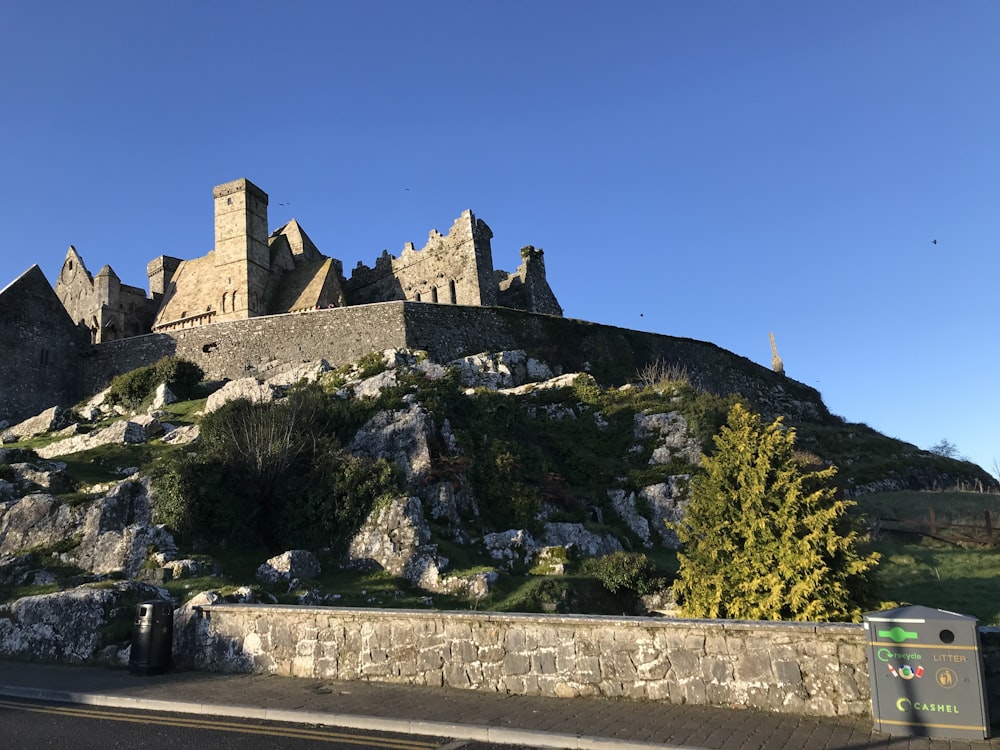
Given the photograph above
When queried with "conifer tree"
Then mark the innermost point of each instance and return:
(763, 539)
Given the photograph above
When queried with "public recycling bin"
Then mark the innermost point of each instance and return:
(926, 671)
(152, 638)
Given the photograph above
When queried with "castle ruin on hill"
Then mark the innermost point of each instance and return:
(261, 305)
(250, 273)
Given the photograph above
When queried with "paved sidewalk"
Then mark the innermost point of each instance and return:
(459, 714)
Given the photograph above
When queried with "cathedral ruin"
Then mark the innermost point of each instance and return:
(250, 273)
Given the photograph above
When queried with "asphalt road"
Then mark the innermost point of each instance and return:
(29, 725)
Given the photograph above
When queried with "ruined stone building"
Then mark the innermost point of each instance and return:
(251, 273)
(63, 343)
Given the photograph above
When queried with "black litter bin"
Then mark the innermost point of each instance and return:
(152, 638)
(926, 671)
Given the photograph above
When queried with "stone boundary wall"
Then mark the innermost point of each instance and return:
(816, 669)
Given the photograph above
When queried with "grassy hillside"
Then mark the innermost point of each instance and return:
(559, 450)
(940, 549)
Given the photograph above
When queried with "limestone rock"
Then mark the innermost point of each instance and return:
(390, 536)
(431, 370)
(69, 626)
(111, 533)
(671, 439)
(163, 396)
(573, 536)
(37, 520)
(123, 432)
(402, 437)
(292, 564)
(500, 370)
(513, 546)
(372, 387)
(309, 372)
(249, 388)
(184, 568)
(667, 501)
(624, 504)
(447, 501)
(45, 476)
(559, 381)
(118, 530)
(14, 568)
(474, 586)
(54, 418)
(181, 435)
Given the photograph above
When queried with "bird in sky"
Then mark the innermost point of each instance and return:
(933, 242)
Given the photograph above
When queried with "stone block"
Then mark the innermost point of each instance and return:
(516, 664)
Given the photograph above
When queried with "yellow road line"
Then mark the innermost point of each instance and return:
(223, 726)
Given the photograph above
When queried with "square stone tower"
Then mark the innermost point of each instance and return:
(242, 259)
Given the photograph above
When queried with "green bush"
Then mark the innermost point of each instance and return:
(131, 389)
(270, 475)
(627, 572)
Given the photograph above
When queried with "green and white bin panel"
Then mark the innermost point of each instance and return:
(926, 671)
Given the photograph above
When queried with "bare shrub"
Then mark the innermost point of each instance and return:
(661, 372)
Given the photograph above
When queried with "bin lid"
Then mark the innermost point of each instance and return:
(917, 614)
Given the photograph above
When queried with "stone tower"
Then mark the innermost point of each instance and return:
(242, 259)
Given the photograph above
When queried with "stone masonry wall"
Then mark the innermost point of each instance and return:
(456, 268)
(260, 347)
(269, 345)
(39, 348)
(816, 669)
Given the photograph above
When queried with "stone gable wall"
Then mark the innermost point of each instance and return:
(801, 668)
(39, 348)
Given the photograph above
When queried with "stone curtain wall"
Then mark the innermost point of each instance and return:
(260, 347)
(817, 669)
(269, 345)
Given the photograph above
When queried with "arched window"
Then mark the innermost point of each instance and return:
(224, 295)
(453, 297)
(434, 294)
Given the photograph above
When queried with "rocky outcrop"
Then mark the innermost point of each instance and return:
(294, 564)
(163, 396)
(506, 369)
(251, 389)
(391, 536)
(402, 437)
(576, 538)
(665, 503)
(307, 373)
(184, 435)
(50, 420)
(111, 534)
(669, 433)
(72, 626)
(133, 431)
(395, 539)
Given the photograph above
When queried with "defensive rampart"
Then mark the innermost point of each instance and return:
(268, 345)
(258, 347)
(803, 668)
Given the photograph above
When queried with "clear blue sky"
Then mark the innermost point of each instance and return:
(712, 170)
